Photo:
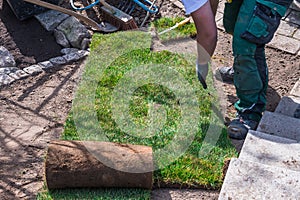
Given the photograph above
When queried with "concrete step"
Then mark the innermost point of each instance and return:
(271, 150)
(280, 125)
(250, 180)
(288, 105)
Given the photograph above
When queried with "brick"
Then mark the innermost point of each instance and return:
(284, 43)
(250, 180)
(280, 125)
(288, 105)
(33, 69)
(271, 150)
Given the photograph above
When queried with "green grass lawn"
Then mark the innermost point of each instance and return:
(129, 94)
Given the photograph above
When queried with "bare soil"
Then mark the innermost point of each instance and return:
(33, 110)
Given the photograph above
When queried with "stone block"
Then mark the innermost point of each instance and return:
(295, 5)
(83, 53)
(19, 74)
(51, 19)
(286, 29)
(280, 125)
(296, 89)
(293, 17)
(33, 69)
(271, 150)
(297, 34)
(178, 4)
(284, 43)
(61, 38)
(8, 70)
(250, 180)
(219, 16)
(5, 79)
(74, 31)
(58, 61)
(220, 25)
(68, 50)
(71, 57)
(6, 59)
(221, 6)
(288, 105)
(46, 64)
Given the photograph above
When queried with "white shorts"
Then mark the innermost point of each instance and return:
(192, 5)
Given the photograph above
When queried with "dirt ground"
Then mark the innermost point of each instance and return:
(33, 110)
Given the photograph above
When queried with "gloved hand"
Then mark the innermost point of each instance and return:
(202, 71)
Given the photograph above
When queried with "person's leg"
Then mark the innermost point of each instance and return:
(255, 26)
(206, 28)
(206, 38)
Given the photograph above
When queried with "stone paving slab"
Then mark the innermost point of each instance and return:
(271, 150)
(288, 105)
(250, 180)
(280, 125)
(287, 44)
(296, 89)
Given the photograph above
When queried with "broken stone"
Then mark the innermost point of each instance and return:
(6, 59)
(74, 31)
(51, 19)
(61, 38)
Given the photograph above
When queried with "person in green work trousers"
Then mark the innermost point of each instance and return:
(252, 24)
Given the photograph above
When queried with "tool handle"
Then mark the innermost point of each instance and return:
(88, 21)
(183, 22)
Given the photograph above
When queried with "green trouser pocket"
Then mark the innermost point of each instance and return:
(265, 20)
(231, 12)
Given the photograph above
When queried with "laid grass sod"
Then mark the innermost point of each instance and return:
(115, 61)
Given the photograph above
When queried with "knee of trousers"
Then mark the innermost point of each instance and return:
(247, 79)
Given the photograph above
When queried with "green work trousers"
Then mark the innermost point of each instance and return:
(252, 26)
